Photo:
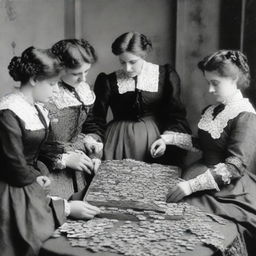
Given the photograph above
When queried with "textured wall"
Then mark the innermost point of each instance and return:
(24, 23)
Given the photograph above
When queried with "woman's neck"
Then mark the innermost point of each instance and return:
(26, 91)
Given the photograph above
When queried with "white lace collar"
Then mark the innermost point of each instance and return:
(64, 98)
(147, 80)
(233, 108)
(24, 110)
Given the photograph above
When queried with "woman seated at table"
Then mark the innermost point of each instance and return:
(223, 181)
(145, 102)
(27, 215)
(72, 150)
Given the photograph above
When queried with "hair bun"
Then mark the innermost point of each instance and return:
(15, 68)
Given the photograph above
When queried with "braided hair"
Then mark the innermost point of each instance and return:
(74, 52)
(228, 63)
(37, 63)
(133, 42)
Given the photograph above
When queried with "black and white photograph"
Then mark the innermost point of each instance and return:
(127, 127)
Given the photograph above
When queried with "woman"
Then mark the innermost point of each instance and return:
(144, 99)
(72, 150)
(224, 178)
(27, 215)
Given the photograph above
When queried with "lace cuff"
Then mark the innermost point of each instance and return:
(221, 170)
(89, 140)
(204, 181)
(178, 139)
(60, 163)
(67, 208)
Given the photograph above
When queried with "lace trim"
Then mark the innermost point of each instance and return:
(178, 139)
(64, 98)
(222, 170)
(24, 110)
(147, 80)
(216, 126)
(204, 181)
(235, 161)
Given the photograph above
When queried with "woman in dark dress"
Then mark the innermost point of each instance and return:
(144, 99)
(72, 151)
(27, 215)
(223, 181)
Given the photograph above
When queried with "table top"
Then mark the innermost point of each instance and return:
(135, 220)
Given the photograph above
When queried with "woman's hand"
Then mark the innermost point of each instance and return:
(82, 210)
(158, 148)
(177, 193)
(96, 164)
(92, 145)
(44, 182)
(79, 161)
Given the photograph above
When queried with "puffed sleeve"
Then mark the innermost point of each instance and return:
(100, 109)
(241, 149)
(173, 110)
(14, 168)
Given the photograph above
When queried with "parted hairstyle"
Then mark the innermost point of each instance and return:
(34, 63)
(228, 63)
(133, 42)
(74, 52)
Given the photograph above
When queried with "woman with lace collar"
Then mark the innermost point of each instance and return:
(28, 216)
(224, 179)
(144, 99)
(72, 150)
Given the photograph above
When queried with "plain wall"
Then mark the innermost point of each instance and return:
(24, 23)
(197, 37)
(103, 21)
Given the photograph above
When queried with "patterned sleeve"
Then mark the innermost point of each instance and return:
(14, 168)
(241, 149)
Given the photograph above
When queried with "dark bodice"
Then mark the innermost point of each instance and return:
(164, 105)
(238, 140)
(19, 150)
(138, 104)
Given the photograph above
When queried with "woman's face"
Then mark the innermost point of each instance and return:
(223, 88)
(44, 89)
(131, 64)
(73, 77)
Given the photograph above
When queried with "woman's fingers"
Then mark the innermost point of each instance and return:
(174, 195)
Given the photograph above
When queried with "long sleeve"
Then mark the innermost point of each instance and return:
(241, 149)
(90, 127)
(14, 168)
(101, 105)
(51, 153)
(173, 110)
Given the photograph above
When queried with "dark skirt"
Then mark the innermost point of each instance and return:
(27, 219)
(235, 202)
(130, 139)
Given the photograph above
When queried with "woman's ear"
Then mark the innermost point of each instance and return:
(32, 81)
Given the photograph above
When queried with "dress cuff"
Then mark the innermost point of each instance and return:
(204, 181)
(178, 139)
(61, 162)
(67, 208)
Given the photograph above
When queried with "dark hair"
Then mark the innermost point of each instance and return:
(74, 52)
(133, 42)
(38, 63)
(228, 63)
